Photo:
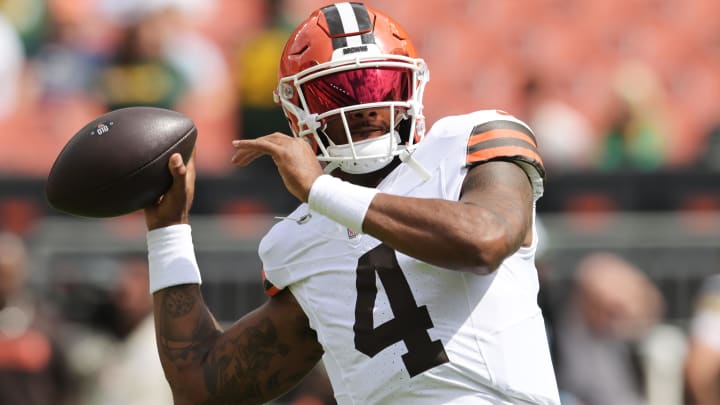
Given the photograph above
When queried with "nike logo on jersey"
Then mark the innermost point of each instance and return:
(301, 220)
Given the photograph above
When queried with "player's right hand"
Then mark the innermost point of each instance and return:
(174, 206)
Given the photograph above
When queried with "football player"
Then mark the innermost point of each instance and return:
(409, 266)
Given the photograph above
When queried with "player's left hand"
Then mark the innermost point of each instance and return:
(293, 157)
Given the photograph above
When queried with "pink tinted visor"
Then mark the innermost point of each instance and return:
(357, 86)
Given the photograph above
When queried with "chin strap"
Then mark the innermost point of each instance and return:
(407, 158)
(330, 167)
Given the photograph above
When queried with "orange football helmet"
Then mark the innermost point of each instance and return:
(347, 57)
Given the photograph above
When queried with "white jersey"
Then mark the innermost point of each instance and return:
(396, 330)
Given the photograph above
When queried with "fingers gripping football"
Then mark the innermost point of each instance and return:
(293, 157)
(174, 206)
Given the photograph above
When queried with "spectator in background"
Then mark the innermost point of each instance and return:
(128, 371)
(76, 45)
(33, 367)
(256, 76)
(702, 368)
(255, 67)
(565, 136)
(638, 133)
(57, 90)
(163, 61)
(710, 156)
(611, 309)
(138, 73)
(30, 18)
(11, 68)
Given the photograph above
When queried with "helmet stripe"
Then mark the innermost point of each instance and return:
(335, 25)
(362, 16)
(349, 23)
(364, 23)
(346, 19)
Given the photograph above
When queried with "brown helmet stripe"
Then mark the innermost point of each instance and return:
(334, 22)
(347, 21)
(364, 23)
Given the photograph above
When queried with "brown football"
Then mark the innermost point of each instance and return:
(118, 163)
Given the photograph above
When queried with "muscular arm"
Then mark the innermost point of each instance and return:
(491, 221)
(258, 358)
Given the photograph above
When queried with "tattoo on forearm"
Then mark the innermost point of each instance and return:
(242, 366)
(175, 342)
(239, 366)
(178, 302)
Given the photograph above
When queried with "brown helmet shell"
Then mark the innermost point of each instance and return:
(311, 42)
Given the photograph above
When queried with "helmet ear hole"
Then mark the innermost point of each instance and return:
(403, 129)
(324, 138)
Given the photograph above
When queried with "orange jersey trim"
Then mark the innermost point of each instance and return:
(270, 289)
(503, 139)
(498, 134)
(502, 151)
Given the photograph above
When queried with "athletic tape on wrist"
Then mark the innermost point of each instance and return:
(343, 202)
(171, 257)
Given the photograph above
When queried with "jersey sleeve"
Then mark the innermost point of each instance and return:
(507, 139)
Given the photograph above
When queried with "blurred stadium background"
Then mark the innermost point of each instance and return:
(622, 94)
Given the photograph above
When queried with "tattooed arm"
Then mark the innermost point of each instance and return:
(258, 358)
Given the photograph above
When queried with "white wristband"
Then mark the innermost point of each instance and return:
(171, 257)
(343, 202)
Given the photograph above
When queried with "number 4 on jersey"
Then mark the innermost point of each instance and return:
(411, 322)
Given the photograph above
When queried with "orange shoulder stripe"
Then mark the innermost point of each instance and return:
(500, 133)
(502, 139)
(484, 155)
